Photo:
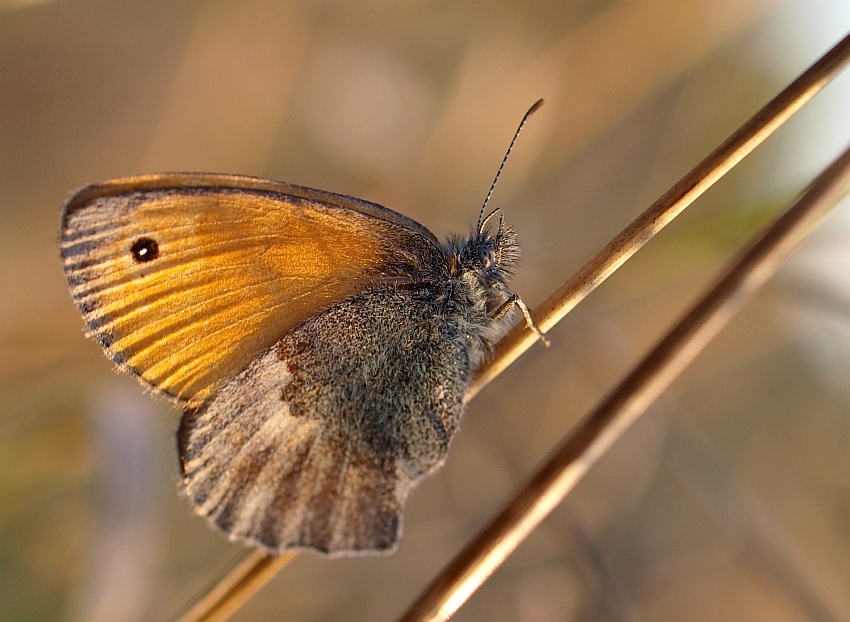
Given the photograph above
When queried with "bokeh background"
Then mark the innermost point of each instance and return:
(730, 500)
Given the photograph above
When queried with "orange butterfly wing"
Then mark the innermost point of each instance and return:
(237, 263)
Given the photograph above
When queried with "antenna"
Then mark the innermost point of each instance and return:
(481, 220)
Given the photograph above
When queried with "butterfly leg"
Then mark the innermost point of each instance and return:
(505, 308)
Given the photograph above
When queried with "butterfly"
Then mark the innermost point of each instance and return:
(320, 345)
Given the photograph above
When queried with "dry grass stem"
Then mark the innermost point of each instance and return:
(236, 587)
(593, 437)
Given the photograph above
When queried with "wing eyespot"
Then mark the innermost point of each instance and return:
(144, 250)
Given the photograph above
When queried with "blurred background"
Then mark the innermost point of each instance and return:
(729, 500)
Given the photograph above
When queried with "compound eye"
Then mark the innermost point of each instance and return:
(488, 257)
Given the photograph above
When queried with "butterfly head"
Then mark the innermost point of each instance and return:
(484, 262)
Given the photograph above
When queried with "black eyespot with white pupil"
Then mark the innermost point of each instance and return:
(144, 250)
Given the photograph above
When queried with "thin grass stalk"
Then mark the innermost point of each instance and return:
(236, 587)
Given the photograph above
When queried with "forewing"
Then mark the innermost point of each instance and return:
(238, 262)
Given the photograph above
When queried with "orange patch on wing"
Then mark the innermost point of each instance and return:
(236, 270)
